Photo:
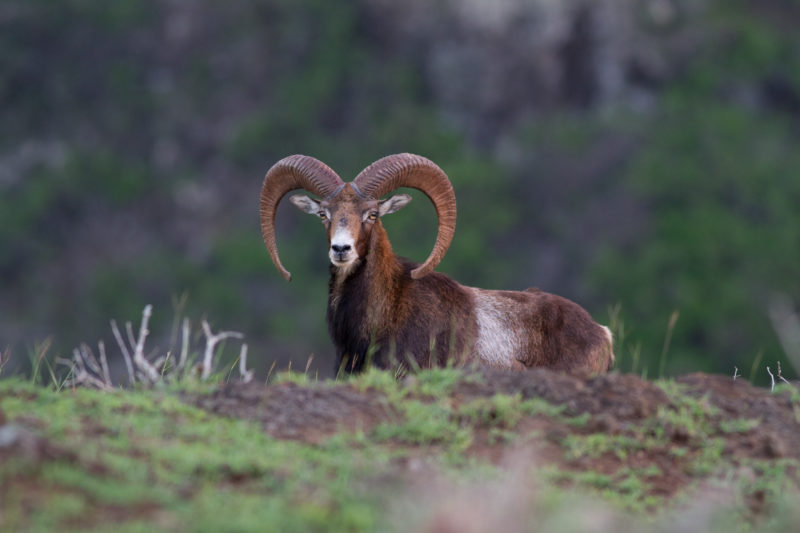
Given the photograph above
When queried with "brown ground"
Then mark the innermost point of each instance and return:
(621, 405)
(657, 440)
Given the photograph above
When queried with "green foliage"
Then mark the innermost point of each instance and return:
(739, 425)
(426, 424)
(597, 444)
(155, 451)
(712, 166)
(719, 182)
(437, 383)
(498, 410)
(719, 209)
(298, 378)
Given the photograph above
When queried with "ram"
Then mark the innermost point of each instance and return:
(392, 312)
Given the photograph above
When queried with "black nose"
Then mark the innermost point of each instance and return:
(340, 249)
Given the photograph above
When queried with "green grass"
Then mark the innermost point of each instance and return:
(138, 460)
(145, 449)
(428, 424)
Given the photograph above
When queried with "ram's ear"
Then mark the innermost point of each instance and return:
(305, 204)
(393, 204)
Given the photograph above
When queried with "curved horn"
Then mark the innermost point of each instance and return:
(409, 170)
(293, 172)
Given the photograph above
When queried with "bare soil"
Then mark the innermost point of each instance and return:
(641, 441)
(303, 413)
(617, 405)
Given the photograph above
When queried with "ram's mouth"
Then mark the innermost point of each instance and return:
(345, 267)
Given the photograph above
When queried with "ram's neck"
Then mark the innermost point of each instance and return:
(370, 288)
(383, 272)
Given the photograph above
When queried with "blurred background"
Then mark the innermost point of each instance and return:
(637, 156)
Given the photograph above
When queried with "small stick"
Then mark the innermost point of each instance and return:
(184, 345)
(101, 347)
(76, 356)
(125, 353)
(89, 359)
(779, 374)
(129, 331)
(211, 342)
(247, 375)
(735, 373)
(771, 377)
(67, 362)
(79, 373)
(138, 355)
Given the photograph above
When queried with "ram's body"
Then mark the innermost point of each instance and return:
(379, 312)
(387, 311)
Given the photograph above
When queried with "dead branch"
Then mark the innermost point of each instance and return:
(125, 354)
(138, 355)
(772, 379)
(247, 375)
(150, 368)
(85, 370)
(184, 346)
(104, 361)
(89, 359)
(780, 377)
(211, 342)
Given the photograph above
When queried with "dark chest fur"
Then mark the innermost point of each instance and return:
(407, 319)
(346, 317)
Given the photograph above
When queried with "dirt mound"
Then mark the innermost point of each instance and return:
(290, 411)
(657, 437)
(19, 443)
(623, 396)
(778, 432)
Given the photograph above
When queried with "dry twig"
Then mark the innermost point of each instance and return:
(125, 354)
(247, 375)
(211, 342)
(139, 359)
(780, 377)
(184, 345)
(87, 370)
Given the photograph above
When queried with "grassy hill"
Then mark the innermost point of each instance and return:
(442, 450)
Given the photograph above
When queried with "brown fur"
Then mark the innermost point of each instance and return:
(561, 334)
(378, 314)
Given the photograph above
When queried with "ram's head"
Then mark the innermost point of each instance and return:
(349, 211)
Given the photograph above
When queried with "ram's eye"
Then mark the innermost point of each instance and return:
(373, 215)
(322, 215)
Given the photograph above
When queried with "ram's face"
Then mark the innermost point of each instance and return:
(348, 220)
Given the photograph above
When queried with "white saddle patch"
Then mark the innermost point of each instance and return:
(497, 343)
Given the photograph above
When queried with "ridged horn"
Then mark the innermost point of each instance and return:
(288, 174)
(409, 170)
